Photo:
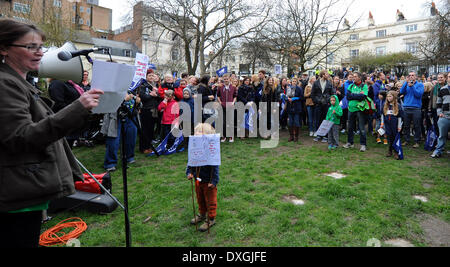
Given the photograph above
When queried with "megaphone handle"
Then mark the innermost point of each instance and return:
(89, 59)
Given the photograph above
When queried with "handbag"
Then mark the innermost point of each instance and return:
(430, 142)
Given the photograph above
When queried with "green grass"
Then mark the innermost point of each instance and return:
(375, 200)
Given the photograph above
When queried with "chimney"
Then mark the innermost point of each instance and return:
(371, 20)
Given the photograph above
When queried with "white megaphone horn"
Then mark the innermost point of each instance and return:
(53, 67)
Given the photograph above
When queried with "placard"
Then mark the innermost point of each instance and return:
(204, 150)
(324, 128)
(114, 79)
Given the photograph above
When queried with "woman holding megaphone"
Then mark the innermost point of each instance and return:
(36, 163)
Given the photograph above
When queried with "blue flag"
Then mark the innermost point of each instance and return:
(136, 85)
(398, 146)
(175, 145)
(283, 103)
(162, 147)
(248, 120)
(222, 71)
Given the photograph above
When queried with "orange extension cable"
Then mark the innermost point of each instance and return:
(55, 235)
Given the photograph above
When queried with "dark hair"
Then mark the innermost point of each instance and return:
(184, 75)
(14, 30)
(262, 71)
(205, 79)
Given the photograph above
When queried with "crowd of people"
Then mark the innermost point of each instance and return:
(37, 163)
(357, 104)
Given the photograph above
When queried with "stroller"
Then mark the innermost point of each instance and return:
(90, 134)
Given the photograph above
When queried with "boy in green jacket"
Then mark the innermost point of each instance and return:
(334, 114)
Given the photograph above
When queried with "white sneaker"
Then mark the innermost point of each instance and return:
(231, 140)
(348, 145)
(311, 133)
(223, 140)
(363, 148)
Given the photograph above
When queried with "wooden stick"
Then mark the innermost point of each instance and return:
(193, 204)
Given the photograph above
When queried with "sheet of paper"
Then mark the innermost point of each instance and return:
(324, 128)
(204, 150)
(114, 79)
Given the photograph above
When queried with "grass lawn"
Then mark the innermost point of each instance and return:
(375, 200)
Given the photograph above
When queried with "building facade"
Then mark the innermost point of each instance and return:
(165, 50)
(84, 15)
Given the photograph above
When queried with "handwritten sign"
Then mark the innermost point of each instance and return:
(204, 150)
(324, 128)
(141, 64)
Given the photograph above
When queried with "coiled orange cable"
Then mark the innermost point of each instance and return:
(55, 235)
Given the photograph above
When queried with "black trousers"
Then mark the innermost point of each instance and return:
(148, 128)
(20, 230)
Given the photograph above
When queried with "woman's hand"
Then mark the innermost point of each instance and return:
(190, 176)
(211, 185)
(90, 99)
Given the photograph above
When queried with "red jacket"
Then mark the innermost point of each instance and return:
(226, 95)
(171, 112)
(178, 92)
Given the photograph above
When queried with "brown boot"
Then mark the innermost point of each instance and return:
(205, 226)
(296, 134)
(291, 133)
(389, 154)
(198, 218)
(396, 156)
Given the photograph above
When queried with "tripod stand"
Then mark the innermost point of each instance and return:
(124, 114)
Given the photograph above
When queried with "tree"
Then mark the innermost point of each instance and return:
(398, 62)
(436, 47)
(256, 50)
(200, 24)
(308, 30)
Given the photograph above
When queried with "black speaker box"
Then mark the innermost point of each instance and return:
(96, 203)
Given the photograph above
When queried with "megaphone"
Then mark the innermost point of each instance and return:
(53, 67)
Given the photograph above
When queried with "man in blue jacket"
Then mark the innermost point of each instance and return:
(412, 104)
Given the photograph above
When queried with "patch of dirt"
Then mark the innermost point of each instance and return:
(294, 200)
(436, 231)
(399, 243)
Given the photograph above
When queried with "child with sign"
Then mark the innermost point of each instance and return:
(206, 180)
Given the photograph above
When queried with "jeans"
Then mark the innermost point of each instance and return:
(113, 144)
(361, 117)
(310, 110)
(444, 127)
(320, 113)
(294, 120)
(333, 136)
(415, 115)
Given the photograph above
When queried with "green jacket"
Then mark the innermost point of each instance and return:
(355, 97)
(336, 116)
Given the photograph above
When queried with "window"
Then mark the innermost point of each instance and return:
(381, 34)
(175, 54)
(127, 53)
(21, 8)
(88, 10)
(88, 22)
(80, 21)
(81, 9)
(354, 37)
(411, 47)
(330, 58)
(354, 53)
(107, 50)
(57, 3)
(411, 28)
(380, 51)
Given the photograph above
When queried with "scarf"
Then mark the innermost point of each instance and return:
(77, 87)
